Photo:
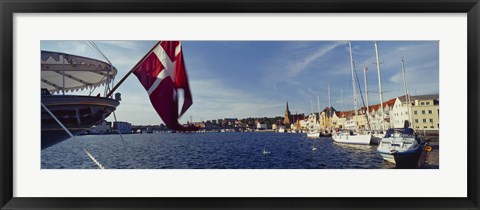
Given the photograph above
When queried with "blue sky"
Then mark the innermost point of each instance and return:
(255, 78)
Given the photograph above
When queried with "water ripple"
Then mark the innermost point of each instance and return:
(212, 151)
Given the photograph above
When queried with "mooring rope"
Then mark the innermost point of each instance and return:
(71, 135)
(123, 142)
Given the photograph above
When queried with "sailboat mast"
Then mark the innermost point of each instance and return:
(318, 107)
(380, 86)
(341, 99)
(407, 96)
(311, 106)
(366, 89)
(329, 98)
(353, 83)
(329, 109)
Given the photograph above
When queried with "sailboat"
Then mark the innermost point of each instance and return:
(352, 137)
(61, 73)
(402, 146)
(314, 128)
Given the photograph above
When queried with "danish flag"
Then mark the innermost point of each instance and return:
(162, 73)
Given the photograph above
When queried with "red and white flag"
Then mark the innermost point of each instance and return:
(162, 73)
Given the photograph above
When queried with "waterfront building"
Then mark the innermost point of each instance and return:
(229, 121)
(294, 118)
(122, 127)
(424, 112)
(360, 120)
(261, 125)
(424, 115)
(298, 122)
(375, 115)
(326, 118)
(339, 119)
(199, 124)
(103, 127)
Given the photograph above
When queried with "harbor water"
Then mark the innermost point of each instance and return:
(237, 150)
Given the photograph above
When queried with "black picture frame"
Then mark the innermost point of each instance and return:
(10, 7)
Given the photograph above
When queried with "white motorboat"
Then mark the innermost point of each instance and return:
(401, 147)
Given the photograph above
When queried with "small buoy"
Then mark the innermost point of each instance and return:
(428, 148)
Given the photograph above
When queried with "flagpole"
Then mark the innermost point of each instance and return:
(131, 70)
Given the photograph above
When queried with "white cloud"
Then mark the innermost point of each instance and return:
(213, 99)
(298, 67)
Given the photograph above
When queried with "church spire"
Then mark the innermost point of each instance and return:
(287, 116)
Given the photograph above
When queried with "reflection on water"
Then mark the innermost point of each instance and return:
(214, 151)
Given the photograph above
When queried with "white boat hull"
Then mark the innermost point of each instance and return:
(376, 138)
(388, 157)
(403, 159)
(402, 152)
(352, 139)
(313, 135)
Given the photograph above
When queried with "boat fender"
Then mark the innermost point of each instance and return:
(428, 148)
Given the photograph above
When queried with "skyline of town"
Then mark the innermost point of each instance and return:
(239, 79)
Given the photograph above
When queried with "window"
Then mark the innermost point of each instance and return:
(418, 127)
(422, 103)
(424, 126)
(431, 126)
(416, 120)
(428, 103)
(430, 112)
(415, 112)
(431, 120)
(423, 111)
(424, 120)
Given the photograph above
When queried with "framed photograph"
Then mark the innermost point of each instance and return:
(239, 105)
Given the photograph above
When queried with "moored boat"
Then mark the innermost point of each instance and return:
(352, 138)
(61, 73)
(401, 147)
(313, 134)
(377, 137)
